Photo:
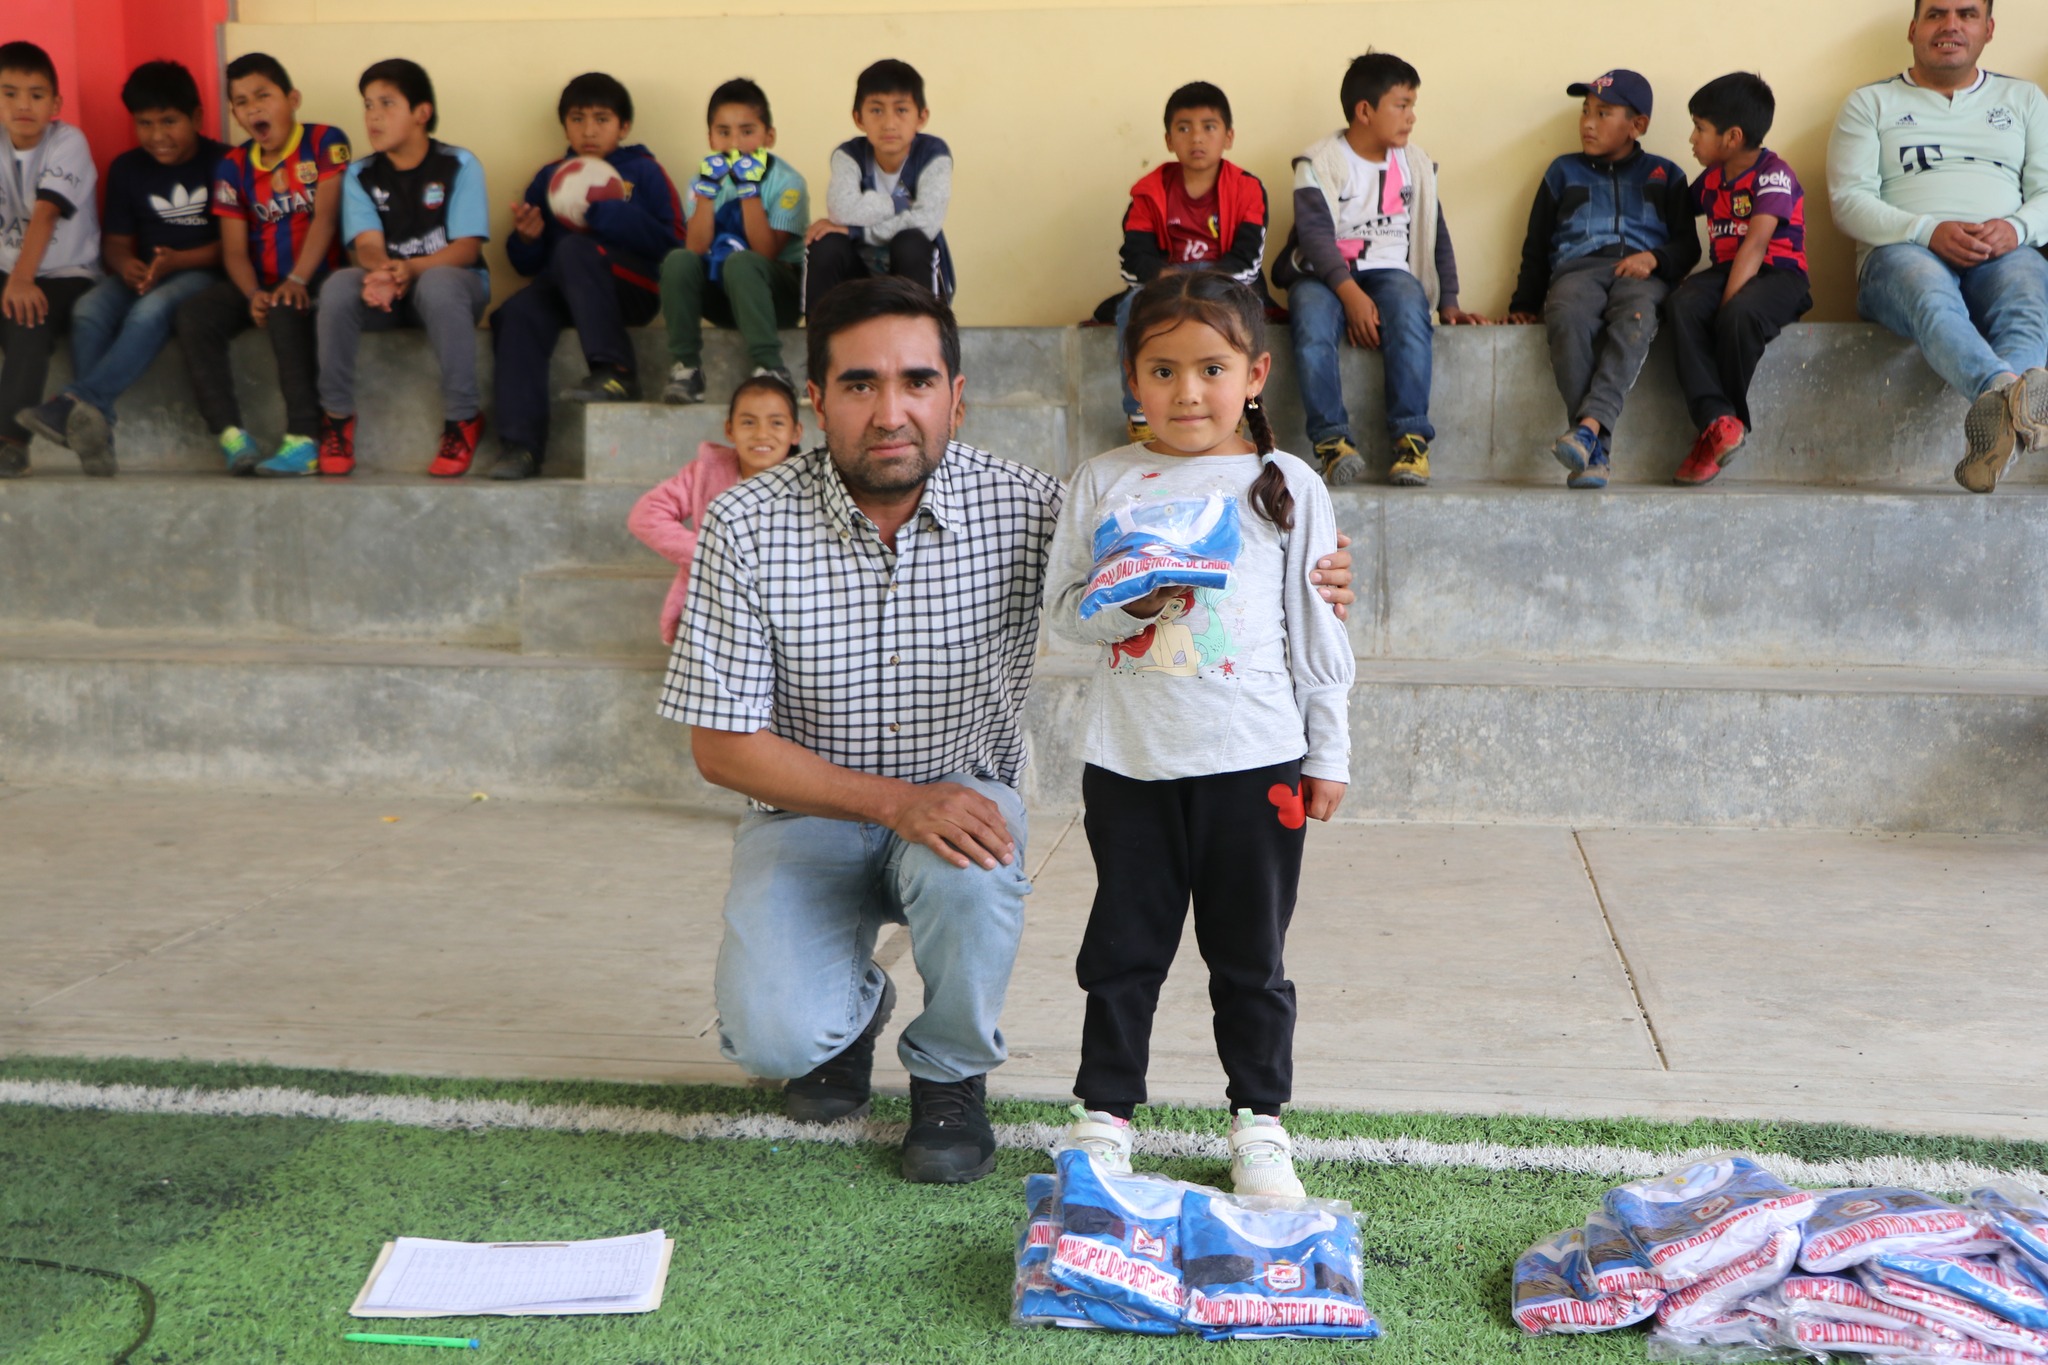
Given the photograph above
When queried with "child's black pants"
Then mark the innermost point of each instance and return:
(26, 351)
(1224, 841)
(215, 316)
(836, 258)
(581, 286)
(1719, 347)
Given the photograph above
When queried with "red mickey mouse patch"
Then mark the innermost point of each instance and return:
(1288, 799)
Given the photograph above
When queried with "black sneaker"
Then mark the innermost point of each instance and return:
(515, 462)
(840, 1087)
(605, 386)
(950, 1141)
(13, 458)
(49, 420)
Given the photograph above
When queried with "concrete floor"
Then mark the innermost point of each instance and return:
(1879, 979)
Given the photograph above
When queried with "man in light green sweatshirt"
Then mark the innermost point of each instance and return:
(1941, 175)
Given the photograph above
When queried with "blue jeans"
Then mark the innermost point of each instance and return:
(1972, 325)
(796, 977)
(116, 332)
(1316, 318)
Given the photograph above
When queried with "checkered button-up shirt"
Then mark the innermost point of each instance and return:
(911, 663)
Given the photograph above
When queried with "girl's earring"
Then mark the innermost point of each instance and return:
(1251, 404)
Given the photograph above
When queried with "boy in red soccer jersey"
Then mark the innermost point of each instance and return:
(1724, 317)
(1198, 211)
(278, 197)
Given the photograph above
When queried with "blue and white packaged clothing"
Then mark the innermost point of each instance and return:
(1036, 1300)
(1855, 1225)
(1145, 545)
(1838, 1298)
(1554, 1291)
(1285, 1268)
(1739, 1327)
(1751, 1273)
(1118, 1245)
(2020, 1215)
(1823, 1337)
(1617, 1264)
(1694, 1221)
(1968, 1292)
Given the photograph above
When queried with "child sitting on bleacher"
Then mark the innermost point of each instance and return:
(161, 247)
(1724, 317)
(415, 216)
(278, 198)
(742, 261)
(886, 201)
(1198, 211)
(600, 280)
(763, 426)
(1610, 233)
(49, 237)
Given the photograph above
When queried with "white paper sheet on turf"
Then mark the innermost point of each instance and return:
(419, 1277)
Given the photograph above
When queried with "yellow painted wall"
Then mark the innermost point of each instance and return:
(1053, 109)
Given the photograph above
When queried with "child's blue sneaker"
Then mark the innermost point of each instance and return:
(1576, 448)
(240, 450)
(1594, 475)
(297, 455)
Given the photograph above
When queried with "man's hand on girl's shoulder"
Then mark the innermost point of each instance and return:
(1320, 797)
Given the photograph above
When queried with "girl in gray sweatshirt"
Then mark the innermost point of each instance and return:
(1216, 726)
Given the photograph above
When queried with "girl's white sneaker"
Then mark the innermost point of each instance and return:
(1105, 1137)
(1262, 1157)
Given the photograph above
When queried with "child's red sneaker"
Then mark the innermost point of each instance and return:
(337, 445)
(458, 447)
(1713, 452)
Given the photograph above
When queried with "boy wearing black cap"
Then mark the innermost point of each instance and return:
(1609, 235)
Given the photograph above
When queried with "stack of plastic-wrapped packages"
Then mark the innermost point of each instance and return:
(1731, 1264)
(1141, 1253)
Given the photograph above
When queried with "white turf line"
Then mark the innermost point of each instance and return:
(416, 1111)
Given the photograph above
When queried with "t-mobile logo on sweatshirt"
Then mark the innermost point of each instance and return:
(1922, 157)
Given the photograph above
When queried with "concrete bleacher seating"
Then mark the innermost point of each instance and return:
(1832, 635)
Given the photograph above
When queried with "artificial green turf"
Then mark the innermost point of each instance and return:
(794, 1252)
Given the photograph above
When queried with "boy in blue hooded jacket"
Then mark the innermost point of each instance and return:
(600, 280)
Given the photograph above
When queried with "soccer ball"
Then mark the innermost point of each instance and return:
(580, 182)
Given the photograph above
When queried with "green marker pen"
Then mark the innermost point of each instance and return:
(392, 1339)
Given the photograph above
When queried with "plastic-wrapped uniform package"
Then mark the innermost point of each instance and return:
(1855, 1225)
(1036, 1300)
(1618, 1265)
(1554, 1291)
(1274, 1268)
(1968, 1292)
(2020, 1215)
(1729, 1284)
(1739, 1333)
(1118, 1245)
(1168, 542)
(1840, 1299)
(1893, 1345)
(1694, 1221)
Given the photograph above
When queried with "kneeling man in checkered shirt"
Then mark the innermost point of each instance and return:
(854, 657)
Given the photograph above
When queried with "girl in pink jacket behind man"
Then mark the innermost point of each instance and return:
(763, 426)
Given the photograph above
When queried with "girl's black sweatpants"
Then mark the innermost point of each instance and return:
(1232, 843)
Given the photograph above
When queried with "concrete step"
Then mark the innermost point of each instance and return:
(1836, 404)
(1757, 576)
(366, 557)
(643, 443)
(1893, 749)
(613, 611)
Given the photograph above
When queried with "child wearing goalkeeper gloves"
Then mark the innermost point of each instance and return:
(1216, 725)
(743, 245)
